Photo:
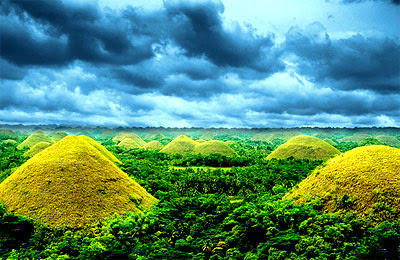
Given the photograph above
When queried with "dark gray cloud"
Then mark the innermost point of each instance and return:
(352, 63)
(69, 32)
(185, 65)
(198, 29)
(10, 71)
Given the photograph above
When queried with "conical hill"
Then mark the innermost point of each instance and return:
(356, 180)
(304, 147)
(35, 138)
(214, 147)
(122, 135)
(59, 135)
(37, 148)
(153, 145)
(100, 148)
(71, 184)
(389, 140)
(128, 144)
(182, 145)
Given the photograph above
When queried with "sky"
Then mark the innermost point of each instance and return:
(230, 63)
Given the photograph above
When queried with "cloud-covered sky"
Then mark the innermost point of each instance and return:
(230, 63)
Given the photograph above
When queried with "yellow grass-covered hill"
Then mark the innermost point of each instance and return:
(122, 135)
(181, 144)
(357, 180)
(37, 148)
(304, 147)
(153, 145)
(100, 148)
(214, 147)
(355, 138)
(128, 144)
(72, 184)
(7, 133)
(389, 140)
(36, 137)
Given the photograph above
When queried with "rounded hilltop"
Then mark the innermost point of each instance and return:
(72, 183)
(37, 148)
(36, 137)
(304, 147)
(122, 135)
(153, 145)
(389, 140)
(214, 147)
(128, 144)
(59, 135)
(365, 180)
(181, 144)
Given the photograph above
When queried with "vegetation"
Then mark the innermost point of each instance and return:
(71, 184)
(210, 206)
(365, 180)
(304, 147)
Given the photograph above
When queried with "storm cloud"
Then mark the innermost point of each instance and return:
(189, 64)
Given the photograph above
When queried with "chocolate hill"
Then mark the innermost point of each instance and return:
(36, 137)
(73, 184)
(304, 147)
(214, 147)
(182, 145)
(357, 180)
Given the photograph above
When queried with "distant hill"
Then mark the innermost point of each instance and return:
(181, 144)
(153, 145)
(37, 148)
(59, 135)
(214, 147)
(304, 147)
(122, 135)
(36, 137)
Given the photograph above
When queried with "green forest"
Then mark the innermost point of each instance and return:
(234, 204)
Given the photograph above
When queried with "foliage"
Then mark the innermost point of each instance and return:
(207, 212)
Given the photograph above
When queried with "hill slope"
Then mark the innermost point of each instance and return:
(35, 138)
(37, 148)
(121, 136)
(217, 147)
(153, 145)
(304, 147)
(71, 184)
(182, 145)
(128, 144)
(368, 175)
